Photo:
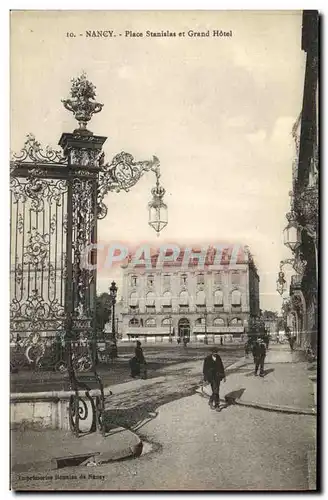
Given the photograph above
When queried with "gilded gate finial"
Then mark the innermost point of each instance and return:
(83, 104)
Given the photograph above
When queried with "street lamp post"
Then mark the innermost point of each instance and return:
(113, 294)
(205, 317)
(170, 338)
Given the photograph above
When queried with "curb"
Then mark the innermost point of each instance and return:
(263, 406)
(276, 408)
(86, 458)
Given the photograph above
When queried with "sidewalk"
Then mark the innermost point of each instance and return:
(57, 449)
(286, 385)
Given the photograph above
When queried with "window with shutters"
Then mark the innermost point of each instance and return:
(167, 280)
(236, 321)
(167, 300)
(133, 302)
(218, 278)
(184, 280)
(200, 298)
(200, 279)
(236, 298)
(150, 323)
(184, 299)
(235, 278)
(150, 302)
(133, 280)
(218, 298)
(218, 322)
(167, 322)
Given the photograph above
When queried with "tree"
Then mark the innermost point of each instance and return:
(103, 311)
(269, 315)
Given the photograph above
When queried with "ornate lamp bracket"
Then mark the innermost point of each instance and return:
(121, 175)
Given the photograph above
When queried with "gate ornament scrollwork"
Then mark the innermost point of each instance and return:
(32, 151)
(35, 315)
(36, 250)
(37, 191)
(35, 308)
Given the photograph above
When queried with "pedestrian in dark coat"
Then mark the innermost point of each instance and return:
(213, 372)
(138, 363)
(259, 353)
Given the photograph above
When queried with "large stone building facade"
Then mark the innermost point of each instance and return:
(178, 300)
(301, 309)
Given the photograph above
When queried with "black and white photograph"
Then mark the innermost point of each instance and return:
(164, 243)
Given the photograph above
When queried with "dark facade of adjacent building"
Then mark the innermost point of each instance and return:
(304, 286)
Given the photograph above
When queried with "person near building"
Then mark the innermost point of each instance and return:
(213, 372)
(259, 353)
(292, 340)
(247, 348)
(138, 363)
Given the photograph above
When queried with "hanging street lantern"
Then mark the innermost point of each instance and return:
(157, 208)
(292, 232)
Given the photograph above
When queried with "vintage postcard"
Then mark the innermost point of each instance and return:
(164, 250)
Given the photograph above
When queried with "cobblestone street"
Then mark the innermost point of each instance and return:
(158, 357)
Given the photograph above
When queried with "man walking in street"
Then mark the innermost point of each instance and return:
(259, 353)
(213, 372)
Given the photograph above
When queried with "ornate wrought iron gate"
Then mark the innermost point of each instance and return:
(38, 257)
(53, 220)
(56, 199)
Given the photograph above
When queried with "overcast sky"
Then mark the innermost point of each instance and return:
(218, 113)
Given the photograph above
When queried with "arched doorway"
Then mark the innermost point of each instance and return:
(184, 327)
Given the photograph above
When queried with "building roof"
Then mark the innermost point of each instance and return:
(230, 255)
